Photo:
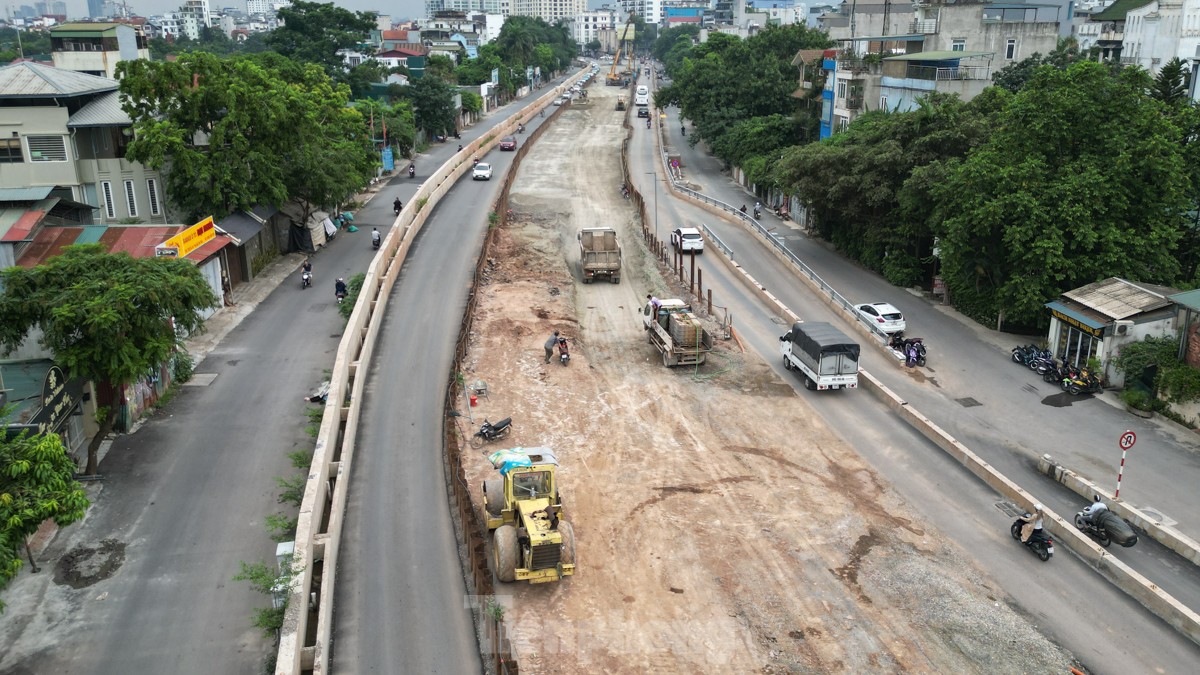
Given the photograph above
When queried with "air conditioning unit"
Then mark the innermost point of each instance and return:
(1122, 327)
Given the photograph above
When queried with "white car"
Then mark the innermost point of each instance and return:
(883, 316)
(686, 239)
(482, 172)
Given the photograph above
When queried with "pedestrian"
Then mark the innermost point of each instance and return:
(550, 346)
(227, 291)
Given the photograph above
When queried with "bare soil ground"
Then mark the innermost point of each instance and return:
(721, 525)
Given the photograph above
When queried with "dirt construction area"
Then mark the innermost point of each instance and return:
(721, 526)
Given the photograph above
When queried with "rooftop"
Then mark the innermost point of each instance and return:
(1119, 299)
(31, 80)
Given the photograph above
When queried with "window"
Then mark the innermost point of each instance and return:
(10, 150)
(152, 188)
(1010, 49)
(130, 199)
(47, 149)
(843, 123)
(109, 209)
(883, 103)
(958, 45)
(841, 90)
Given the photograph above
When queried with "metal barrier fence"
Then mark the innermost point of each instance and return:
(304, 640)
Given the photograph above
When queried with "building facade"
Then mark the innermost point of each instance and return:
(96, 48)
(551, 11)
(586, 26)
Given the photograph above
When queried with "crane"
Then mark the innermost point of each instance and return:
(624, 44)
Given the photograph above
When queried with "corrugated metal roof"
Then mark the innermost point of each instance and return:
(1189, 299)
(34, 80)
(1118, 299)
(91, 234)
(241, 225)
(102, 111)
(48, 242)
(25, 194)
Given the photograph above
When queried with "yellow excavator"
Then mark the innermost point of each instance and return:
(624, 44)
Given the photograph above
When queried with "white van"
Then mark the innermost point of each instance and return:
(642, 90)
(641, 99)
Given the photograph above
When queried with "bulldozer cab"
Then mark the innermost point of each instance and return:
(532, 484)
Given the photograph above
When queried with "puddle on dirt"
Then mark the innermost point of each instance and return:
(849, 571)
(1064, 399)
(83, 566)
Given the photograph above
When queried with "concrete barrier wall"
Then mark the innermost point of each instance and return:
(325, 493)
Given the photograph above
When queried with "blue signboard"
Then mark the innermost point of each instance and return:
(389, 162)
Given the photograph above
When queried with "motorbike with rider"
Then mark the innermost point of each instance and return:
(376, 238)
(339, 289)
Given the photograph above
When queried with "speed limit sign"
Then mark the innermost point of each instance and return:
(1127, 440)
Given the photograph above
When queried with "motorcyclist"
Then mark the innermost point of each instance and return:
(647, 122)
(743, 209)
(1033, 524)
(460, 147)
(375, 237)
(306, 265)
(339, 288)
(397, 206)
(562, 346)
(520, 128)
(412, 170)
(1094, 509)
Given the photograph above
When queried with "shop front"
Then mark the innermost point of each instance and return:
(52, 406)
(1076, 335)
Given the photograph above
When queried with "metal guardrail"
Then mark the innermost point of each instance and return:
(720, 244)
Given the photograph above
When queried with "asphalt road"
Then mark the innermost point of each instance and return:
(401, 603)
(186, 496)
(1064, 597)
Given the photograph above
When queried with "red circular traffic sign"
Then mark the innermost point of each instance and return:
(1127, 440)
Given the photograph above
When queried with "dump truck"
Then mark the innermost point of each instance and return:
(599, 254)
(825, 357)
(530, 540)
(676, 332)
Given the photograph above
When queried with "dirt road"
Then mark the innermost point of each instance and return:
(721, 525)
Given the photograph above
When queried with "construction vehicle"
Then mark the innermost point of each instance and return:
(676, 332)
(620, 103)
(599, 254)
(625, 44)
(825, 357)
(530, 540)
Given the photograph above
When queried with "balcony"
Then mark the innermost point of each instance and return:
(923, 27)
(946, 74)
(854, 102)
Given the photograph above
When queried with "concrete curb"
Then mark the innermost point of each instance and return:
(1167, 536)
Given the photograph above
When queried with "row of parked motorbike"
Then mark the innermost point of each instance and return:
(1074, 380)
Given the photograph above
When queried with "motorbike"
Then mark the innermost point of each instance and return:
(1039, 542)
(520, 128)
(912, 349)
(647, 124)
(489, 432)
(564, 354)
(376, 240)
(412, 170)
(757, 213)
(397, 207)
(341, 295)
(1081, 382)
(1029, 355)
(1107, 527)
(305, 279)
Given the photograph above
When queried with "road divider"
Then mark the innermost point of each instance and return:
(318, 532)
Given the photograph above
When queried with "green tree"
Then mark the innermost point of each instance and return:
(478, 70)
(37, 483)
(1083, 178)
(106, 317)
(433, 105)
(313, 32)
(1171, 83)
(440, 66)
(1016, 75)
(360, 78)
(398, 116)
(593, 47)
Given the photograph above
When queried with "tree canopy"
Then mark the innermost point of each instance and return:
(236, 132)
(313, 32)
(37, 482)
(106, 317)
(433, 105)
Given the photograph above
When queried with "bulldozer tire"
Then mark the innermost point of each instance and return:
(568, 542)
(504, 553)
(493, 495)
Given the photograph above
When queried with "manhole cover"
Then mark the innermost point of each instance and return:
(200, 380)
(1010, 509)
(1159, 517)
(968, 402)
(779, 320)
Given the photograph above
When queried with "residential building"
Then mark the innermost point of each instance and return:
(1105, 29)
(195, 15)
(259, 7)
(95, 48)
(651, 11)
(98, 9)
(679, 12)
(551, 11)
(784, 13)
(64, 134)
(1159, 31)
(945, 46)
(586, 26)
(501, 7)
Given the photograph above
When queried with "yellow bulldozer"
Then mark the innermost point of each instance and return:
(530, 540)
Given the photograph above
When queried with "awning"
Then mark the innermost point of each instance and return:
(209, 249)
(1188, 299)
(915, 37)
(25, 194)
(241, 226)
(937, 56)
(1077, 318)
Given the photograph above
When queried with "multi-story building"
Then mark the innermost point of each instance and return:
(259, 7)
(586, 26)
(51, 8)
(501, 7)
(95, 48)
(679, 12)
(1160, 30)
(651, 11)
(63, 133)
(193, 16)
(97, 9)
(551, 11)
(1104, 29)
(783, 12)
(945, 46)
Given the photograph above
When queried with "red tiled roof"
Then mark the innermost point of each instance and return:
(415, 50)
(392, 54)
(401, 35)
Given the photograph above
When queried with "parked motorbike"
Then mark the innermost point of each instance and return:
(1081, 382)
(489, 432)
(1107, 527)
(305, 280)
(912, 349)
(564, 354)
(1039, 542)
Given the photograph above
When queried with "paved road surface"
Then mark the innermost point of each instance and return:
(1064, 596)
(401, 604)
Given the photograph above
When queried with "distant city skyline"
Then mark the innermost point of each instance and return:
(402, 9)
